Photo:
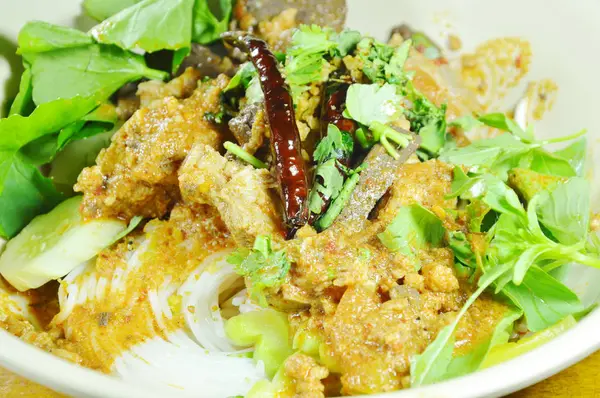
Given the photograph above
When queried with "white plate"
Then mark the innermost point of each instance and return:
(563, 35)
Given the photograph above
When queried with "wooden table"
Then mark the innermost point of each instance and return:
(579, 381)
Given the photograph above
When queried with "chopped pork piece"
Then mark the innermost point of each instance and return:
(249, 127)
(137, 174)
(241, 193)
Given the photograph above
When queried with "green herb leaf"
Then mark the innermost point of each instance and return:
(432, 365)
(242, 77)
(413, 228)
(575, 155)
(206, 26)
(370, 103)
(305, 58)
(264, 267)
(23, 103)
(546, 163)
(38, 37)
(565, 210)
(346, 41)
(395, 68)
(335, 145)
(467, 123)
(102, 9)
(91, 70)
(502, 122)
(544, 300)
(331, 186)
(150, 25)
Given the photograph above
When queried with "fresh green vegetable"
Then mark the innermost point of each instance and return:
(206, 27)
(245, 156)
(335, 145)
(427, 120)
(267, 331)
(23, 103)
(412, 229)
(264, 267)
(25, 192)
(575, 155)
(90, 70)
(102, 9)
(507, 351)
(38, 37)
(53, 244)
(432, 365)
(150, 25)
(543, 299)
(370, 103)
(338, 203)
(330, 188)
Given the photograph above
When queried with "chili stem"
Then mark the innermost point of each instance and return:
(245, 156)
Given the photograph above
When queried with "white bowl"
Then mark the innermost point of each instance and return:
(562, 37)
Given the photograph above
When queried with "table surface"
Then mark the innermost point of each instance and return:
(580, 381)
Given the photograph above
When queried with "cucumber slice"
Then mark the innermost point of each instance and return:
(53, 244)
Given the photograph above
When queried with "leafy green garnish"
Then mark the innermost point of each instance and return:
(331, 186)
(305, 58)
(428, 121)
(413, 228)
(150, 25)
(25, 192)
(507, 351)
(339, 203)
(502, 122)
(86, 71)
(37, 37)
(565, 211)
(102, 9)
(575, 155)
(335, 145)
(206, 26)
(245, 156)
(264, 267)
(370, 103)
(23, 103)
(242, 77)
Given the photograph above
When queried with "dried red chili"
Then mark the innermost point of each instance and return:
(285, 138)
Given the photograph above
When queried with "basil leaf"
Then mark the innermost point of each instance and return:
(206, 27)
(23, 103)
(38, 37)
(414, 227)
(84, 71)
(575, 155)
(546, 163)
(24, 193)
(102, 9)
(565, 210)
(543, 299)
(150, 25)
(502, 122)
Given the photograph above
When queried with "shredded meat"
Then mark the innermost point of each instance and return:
(241, 193)
(137, 174)
(306, 375)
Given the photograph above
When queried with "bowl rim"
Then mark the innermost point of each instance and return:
(575, 344)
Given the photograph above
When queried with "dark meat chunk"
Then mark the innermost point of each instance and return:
(207, 62)
(248, 127)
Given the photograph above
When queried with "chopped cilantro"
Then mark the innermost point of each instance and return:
(264, 267)
(335, 145)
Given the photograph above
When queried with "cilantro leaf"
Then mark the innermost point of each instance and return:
(335, 145)
(242, 77)
(370, 103)
(329, 184)
(346, 41)
(414, 227)
(305, 58)
(394, 70)
(264, 267)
